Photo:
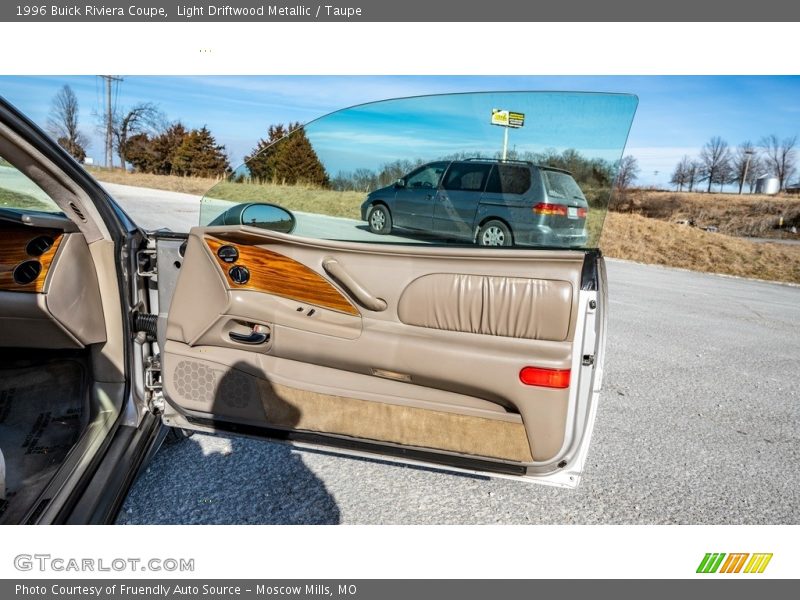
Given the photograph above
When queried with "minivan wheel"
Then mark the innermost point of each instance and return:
(380, 220)
(494, 233)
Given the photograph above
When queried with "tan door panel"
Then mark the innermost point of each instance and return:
(447, 325)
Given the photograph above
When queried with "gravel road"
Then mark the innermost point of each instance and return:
(698, 423)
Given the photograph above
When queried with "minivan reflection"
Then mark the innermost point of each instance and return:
(483, 201)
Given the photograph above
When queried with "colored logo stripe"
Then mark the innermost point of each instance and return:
(758, 563)
(711, 562)
(733, 564)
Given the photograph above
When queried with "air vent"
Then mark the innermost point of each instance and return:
(77, 211)
(39, 245)
(27, 272)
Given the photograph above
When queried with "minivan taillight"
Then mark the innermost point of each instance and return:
(582, 213)
(544, 208)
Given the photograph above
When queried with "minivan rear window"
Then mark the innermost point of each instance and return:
(561, 185)
(509, 179)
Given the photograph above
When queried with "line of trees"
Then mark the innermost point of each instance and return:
(143, 138)
(177, 151)
(588, 172)
(719, 164)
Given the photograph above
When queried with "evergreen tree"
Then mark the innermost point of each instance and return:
(138, 151)
(286, 159)
(261, 161)
(155, 154)
(199, 155)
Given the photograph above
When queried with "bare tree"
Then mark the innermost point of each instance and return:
(62, 123)
(144, 117)
(715, 160)
(693, 173)
(680, 176)
(627, 172)
(780, 157)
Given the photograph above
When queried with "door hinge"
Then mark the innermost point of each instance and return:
(588, 360)
(152, 384)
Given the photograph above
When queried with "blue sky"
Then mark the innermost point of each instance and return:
(676, 115)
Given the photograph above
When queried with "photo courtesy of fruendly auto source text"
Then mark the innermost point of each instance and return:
(271, 267)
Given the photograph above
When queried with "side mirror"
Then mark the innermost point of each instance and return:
(400, 183)
(263, 216)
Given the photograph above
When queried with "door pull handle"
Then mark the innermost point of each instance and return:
(355, 289)
(254, 337)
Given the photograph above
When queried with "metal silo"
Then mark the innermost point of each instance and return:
(767, 185)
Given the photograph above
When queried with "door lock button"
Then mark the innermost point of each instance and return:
(228, 254)
(239, 274)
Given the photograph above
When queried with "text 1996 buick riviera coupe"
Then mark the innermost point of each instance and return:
(305, 325)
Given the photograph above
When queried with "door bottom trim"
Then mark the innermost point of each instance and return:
(380, 451)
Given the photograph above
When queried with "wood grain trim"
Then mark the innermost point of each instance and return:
(276, 274)
(13, 241)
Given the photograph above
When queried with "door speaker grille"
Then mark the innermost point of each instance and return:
(200, 383)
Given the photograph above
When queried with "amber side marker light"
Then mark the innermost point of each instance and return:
(551, 378)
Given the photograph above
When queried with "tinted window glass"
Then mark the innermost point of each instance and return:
(19, 192)
(426, 177)
(561, 185)
(467, 177)
(337, 174)
(509, 179)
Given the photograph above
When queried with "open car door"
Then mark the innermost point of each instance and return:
(284, 316)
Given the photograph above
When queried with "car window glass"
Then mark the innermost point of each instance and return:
(339, 174)
(509, 179)
(561, 185)
(468, 177)
(19, 192)
(427, 177)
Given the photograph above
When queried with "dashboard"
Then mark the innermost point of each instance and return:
(49, 291)
(26, 255)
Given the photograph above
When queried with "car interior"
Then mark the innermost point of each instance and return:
(317, 338)
(62, 373)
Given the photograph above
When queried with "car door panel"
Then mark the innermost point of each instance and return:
(381, 376)
(414, 207)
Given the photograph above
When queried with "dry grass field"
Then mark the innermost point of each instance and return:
(643, 229)
(744, 216)
(172, 183)
(641, 239)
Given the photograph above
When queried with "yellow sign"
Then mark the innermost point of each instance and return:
(507, 118)
(499, 117)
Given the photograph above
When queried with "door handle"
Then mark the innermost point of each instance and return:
(337, 271)
(254, 337)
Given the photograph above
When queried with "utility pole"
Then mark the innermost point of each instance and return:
(749, 153)
(109, 119)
